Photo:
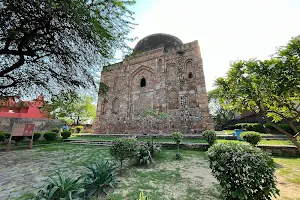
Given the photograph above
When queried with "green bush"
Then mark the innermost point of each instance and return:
(79, 129)
(124, 148)
(285, 127)
(252, 137)
(56, 130)
(257, 127)
(36, 136)
(154, 148)
(6, 134)
(50, 136)
(177, 136)
(65, 134)
(210, 136)
(61, 188)
(18, 138)
(101, 178)
(143, 156)
(244, 172)
(2, 137)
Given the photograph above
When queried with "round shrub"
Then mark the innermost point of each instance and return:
(65, 134)
(50, 136)
(210, 136)
(56, 130)
(252, 137)
(244, 172)
(6, 134)
(36, 136)
(2, 137)
(257, 127)
(124, 148)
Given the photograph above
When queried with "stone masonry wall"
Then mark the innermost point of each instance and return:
(166, 80)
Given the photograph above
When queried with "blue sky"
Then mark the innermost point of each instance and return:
(226, 30)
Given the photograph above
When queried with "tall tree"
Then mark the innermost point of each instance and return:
(220, 115)
(270, 88)
(70, 105)
(49, 45)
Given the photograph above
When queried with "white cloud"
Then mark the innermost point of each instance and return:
(227, 30)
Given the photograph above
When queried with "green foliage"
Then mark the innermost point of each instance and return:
(210, 136)
(36, 136)
(72, 107)
(65, 134)
(154, 149)
(177, 136)
(6, 134)
(244, 172)
(221, 116)
(61, 188)
(99, 27)
(143, 156)
(269, 88)
(103, 89)
(178, 156)
(2, 137)
(252, 137)
(257, 127)
(100, 179)
(56, 130)
(18, 138)
(142, 197)
(285, 127)
(50, 136)
(124, 148)
(79, 129)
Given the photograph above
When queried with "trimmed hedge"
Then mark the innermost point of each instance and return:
(285, 127)
(257, 127)
(50, 136)
(65, 134)
(210, 136)
(252, 137)
(56, 130)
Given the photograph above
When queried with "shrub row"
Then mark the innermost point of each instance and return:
(49, 136)
(261, 128)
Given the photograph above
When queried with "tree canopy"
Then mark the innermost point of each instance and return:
(270, 88)
(71, 107)
(220, 115)
(49, 45)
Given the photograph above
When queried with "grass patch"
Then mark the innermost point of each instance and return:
(167, 178)
(289, 169)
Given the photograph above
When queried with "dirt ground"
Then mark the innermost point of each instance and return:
(23, 172)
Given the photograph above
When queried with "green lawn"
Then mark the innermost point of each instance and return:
(263, 142)
(23, 172)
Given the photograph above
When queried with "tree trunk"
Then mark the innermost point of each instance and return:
(288, 135)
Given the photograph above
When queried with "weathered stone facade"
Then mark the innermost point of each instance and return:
(164, 75)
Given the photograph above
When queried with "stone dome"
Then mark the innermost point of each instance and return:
(155, 41)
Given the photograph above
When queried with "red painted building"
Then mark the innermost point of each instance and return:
(14, 107)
